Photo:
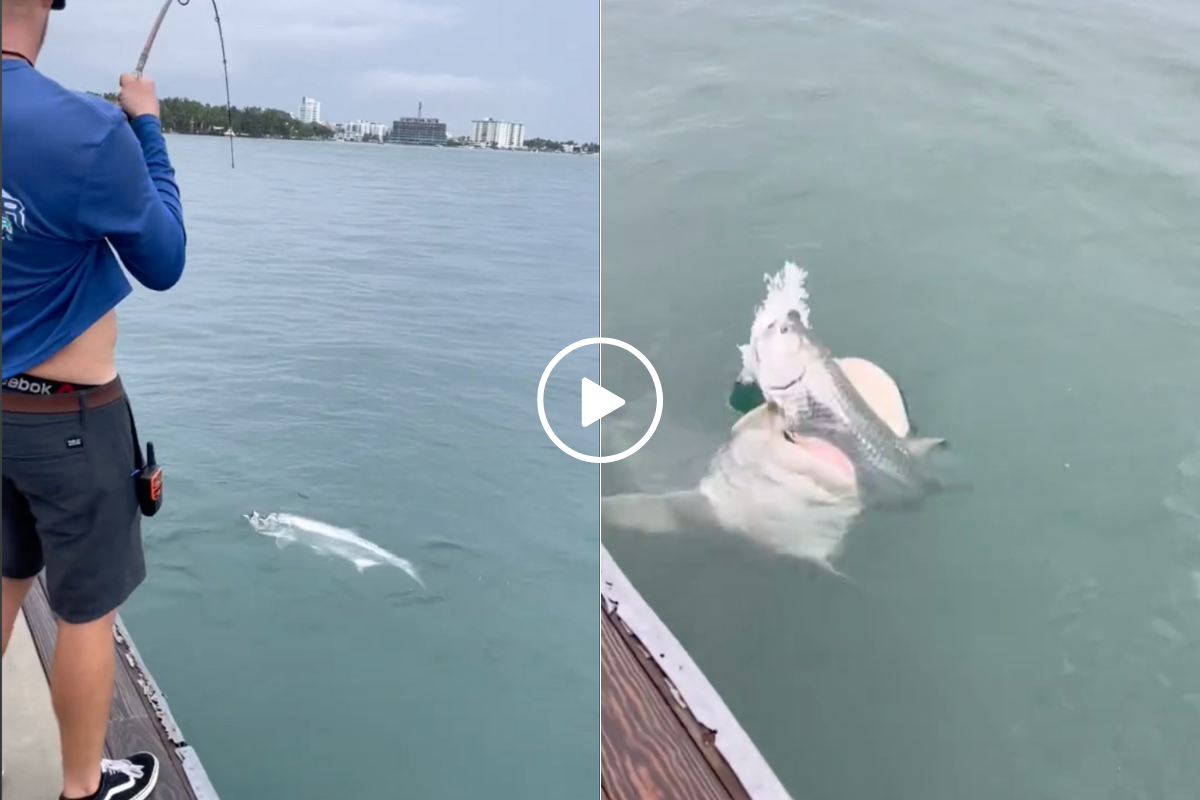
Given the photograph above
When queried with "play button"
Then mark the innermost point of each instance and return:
(597, 402)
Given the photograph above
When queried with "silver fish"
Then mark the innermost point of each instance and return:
(326, 539)
(799, 376)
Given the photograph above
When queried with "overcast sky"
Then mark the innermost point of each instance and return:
(532, 61)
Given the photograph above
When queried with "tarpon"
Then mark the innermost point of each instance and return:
(327, 539)
(801, 378)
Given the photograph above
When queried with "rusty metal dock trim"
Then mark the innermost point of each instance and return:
(690, 689)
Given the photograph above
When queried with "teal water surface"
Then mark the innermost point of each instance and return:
(999, 202)
(357, 340)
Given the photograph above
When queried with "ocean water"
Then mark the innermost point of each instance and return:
(357, 340)
(998, 202)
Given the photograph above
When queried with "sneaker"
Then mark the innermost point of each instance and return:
(131, 778)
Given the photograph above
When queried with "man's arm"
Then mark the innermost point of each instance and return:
(130, 197)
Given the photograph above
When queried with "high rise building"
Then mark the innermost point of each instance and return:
(418, 130)
(498, 132)
(310, 110)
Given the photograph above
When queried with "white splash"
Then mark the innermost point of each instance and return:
(785, 293)
(326, 539)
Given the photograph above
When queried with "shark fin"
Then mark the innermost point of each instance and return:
(657, 513)
(923, 445)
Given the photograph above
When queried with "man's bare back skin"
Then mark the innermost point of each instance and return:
(89, 359)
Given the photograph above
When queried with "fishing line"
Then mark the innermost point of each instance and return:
(158, 21)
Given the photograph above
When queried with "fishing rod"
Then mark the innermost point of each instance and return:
(158, 21)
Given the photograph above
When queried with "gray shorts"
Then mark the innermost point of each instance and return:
(70, 501)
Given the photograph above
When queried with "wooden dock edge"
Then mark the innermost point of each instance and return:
(130, 670)
(193, 770)
(687, 690)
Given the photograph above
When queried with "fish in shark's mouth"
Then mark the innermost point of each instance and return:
(802, 380)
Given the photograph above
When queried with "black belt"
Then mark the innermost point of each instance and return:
(63, 403)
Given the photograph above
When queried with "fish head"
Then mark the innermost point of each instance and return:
(786, 358)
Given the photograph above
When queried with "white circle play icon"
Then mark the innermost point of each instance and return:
(596, 402)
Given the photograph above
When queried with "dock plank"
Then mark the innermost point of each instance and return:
(134, 725)
(703, 737)
(650, 684)
(646, 752)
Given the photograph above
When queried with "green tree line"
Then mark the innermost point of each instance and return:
(181, 115)
(549, 145)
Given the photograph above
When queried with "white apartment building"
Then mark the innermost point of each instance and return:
(498, 132)
(362, 131)
(310, 110)
(358, 129)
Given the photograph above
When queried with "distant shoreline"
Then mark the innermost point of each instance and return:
(322, 140)
(179, 115)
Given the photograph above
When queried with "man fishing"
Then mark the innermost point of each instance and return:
(82, 179)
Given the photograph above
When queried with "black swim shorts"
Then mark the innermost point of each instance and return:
(70, 500)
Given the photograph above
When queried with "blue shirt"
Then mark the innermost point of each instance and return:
(77, 178)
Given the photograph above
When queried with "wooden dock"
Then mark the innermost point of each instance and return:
(139, 718)
(665, 734)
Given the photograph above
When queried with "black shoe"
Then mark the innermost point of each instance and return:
(132, 778)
